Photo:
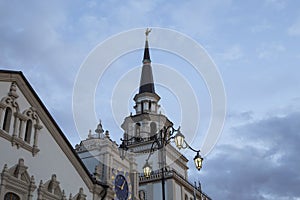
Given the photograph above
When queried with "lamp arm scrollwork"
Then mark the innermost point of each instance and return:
(132, 138)
(161, 138)
(151, 150)
(170, 133)
(191, 148)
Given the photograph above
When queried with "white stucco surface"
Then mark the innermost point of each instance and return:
(49, 160)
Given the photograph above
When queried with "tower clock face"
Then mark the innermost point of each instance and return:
(121, 187)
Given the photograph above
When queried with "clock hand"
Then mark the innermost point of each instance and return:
(123, 185)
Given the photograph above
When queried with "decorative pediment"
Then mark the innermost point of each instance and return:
(31, 114)
(53, 186)
(79, 196)
(10, 99)
(51, 190)
(20, 171)
(16, 179)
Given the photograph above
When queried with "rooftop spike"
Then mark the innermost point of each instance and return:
(146, 58)
(146, 82)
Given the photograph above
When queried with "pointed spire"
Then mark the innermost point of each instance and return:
(146, 82)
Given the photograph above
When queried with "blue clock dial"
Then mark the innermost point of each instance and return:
(121, 187)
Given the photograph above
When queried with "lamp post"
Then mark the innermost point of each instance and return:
(160, 140)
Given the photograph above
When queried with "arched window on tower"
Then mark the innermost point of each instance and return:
(153, 128)
(138, 130)
(28, 131)
(142, 106)
(150, 105)
(7, 119)
(11, 196)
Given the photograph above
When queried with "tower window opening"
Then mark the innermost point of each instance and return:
(153, 128)
(142, 107)
(138, 130)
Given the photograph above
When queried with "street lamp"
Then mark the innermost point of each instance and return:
(179, 139)
(180, 143)
(198, 161)
(147, 169)
(160, 140)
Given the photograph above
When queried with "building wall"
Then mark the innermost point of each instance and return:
(43, 165)
(51, 159)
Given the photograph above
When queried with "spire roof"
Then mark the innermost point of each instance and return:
(146, 82)
(146, 58)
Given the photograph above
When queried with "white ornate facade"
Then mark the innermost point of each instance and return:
(36, 160)
(101, 155)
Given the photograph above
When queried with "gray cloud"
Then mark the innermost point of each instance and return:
(261, 161)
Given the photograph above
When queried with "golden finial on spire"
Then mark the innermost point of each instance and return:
(148, 30)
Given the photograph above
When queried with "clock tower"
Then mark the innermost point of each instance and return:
(125, 177)
(148, 120)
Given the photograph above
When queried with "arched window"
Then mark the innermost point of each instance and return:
(11, 196)
(186, 197)
(142, 195)
(153, 128)
(7, 119)
(28, 131)
(137, 129)
(142, 106)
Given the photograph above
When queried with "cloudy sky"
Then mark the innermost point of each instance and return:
(254, 44)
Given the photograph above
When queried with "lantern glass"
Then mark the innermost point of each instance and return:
(198, 161)
(179, 140)
(147, 170)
